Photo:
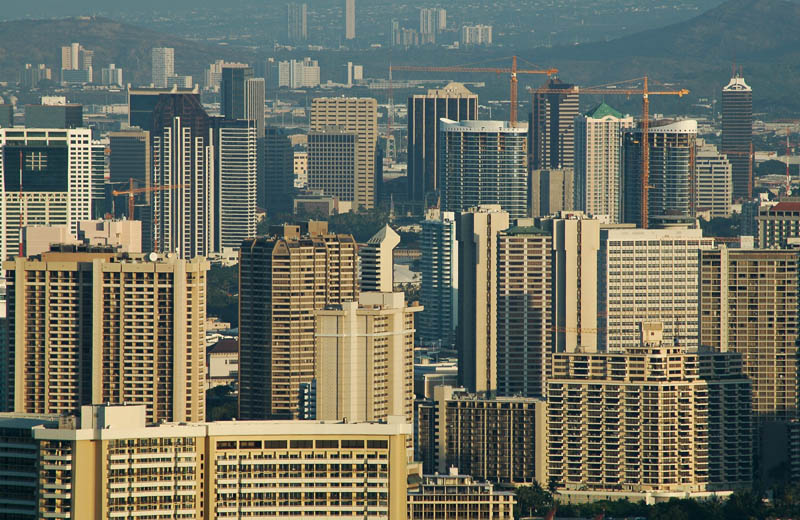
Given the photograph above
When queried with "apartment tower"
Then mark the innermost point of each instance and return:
(713, 181)
(349, 19)
(737, 134)
(377, 261)
(275, 186)
(297, 22)
(163, 65)
(437, 322)
(551, 138)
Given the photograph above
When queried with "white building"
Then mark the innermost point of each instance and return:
(298, 74)
(163, 65)
(713, 181)
(300, 169)
(377, 261)
(111, 76)
(476, 35)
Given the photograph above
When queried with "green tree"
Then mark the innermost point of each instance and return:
(532, 500)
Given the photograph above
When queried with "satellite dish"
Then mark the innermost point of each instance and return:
(153, 257)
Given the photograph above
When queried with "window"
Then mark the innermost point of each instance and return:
(226, 445)
(377, 444)
(301, 444)
(275, 445)
(353, 444)
(327, 444)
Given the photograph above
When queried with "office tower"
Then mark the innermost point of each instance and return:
(455, 102)
(235, 149)
(129, 329)
(432, 21)
(377, 261)
(142, 102)
(283, 280)
(296, 23)
(129, 158)
(476, 34)
(355, 118)
(111, 76)
(441, 497)
(648, 275)
(498, 439)
(439, 291)
(43, 189)
(276, 185)
(737, 134)
(576, 242)
(524, 309)
(298, 74)
(183, 216)
(365, 359)
(100, 167)
(551, 137)
(332, 163)
(163, 65)
(686, 429)
(778, 225)
(254, 95)
(213, 74)
(180, 470)
(477, 233)
(672, 174)
(484, 162)
(232, 90)
(62, 115)
(598, 142)
(749, 306)
(713, 185)
(350, 19)
(551, 191)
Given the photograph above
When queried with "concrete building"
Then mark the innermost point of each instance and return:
(432, 21)
(655, 421)
(38, 239)
(442, 497)
(365, 359)
(484, 162)
(476, 35)
(284, 279)
(111, 76)
(116, 327)
(222, 360)
(737, 134)
(124, 236)
(103, 468)
(255, 92)
(551, 137)
(296, 22)
(351, 116)
(377, 261)
(163, 65)
(439, 290)
(598, 144)
(179, 82)
(524, 309)
(333, 163)
(713, 181)
(477, 233)
(647, 275)
(56, 181)
(778, 225)
(100, 158)
(496, 439)
(454, 102)
(296, 74)
(300, 159)
(551, 191)
(349, 19)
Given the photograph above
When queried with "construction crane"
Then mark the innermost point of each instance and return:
(513, 71)
(131, 192)
(645, 92)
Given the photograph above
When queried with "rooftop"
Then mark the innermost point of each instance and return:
(603, 110)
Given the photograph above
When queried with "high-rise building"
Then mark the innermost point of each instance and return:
(235, 148)
(648, 275)
(61, 115)
(737, 135)
(333, 163)
(778, 225)
(183, 216)
(748, 305)
(432, 21)
(551, 132)
(377, 261)
(365, 359)
(130, 159)
(100, 170)
(179, 82)
(437, 322)
(455, 102)
(283, 281)
(296, 22)
(484, 162)
(129, 329)
(6, 115)
(298, 74)
(76, 64)
(349, 19)
(142, 103)
(163, 65)
(654, 420)
(442, 497)
(476, 34)
(111, 76)
(255, 91)
(551, 191)
(524, 309)
(713, 185)
(499, 439)
(477, 233)
(43, 182)
(357, 117)
(31, 75)
(276, 185)
(671, 195)
(232, 90)
(598, 141)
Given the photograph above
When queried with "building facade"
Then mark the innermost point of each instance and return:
(232, 90)
(551, 191)
(737, 135)
(778, 225)
(441, 497)
(551, 137)
(275, 187)
(713, 184)
(297, 22)
(439, 291)
(333, 163)
(377, 261)
(163, 65)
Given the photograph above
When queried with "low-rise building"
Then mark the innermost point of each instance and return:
(222, 360)
(442, 497)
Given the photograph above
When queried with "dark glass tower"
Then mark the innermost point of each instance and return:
(551, 132)
(232, 91)
(737, 134)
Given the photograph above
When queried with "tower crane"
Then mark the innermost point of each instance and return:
(131, 192)
(513, 71)
(645, 92)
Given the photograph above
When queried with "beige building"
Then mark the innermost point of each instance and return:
(477, 232)
(125, 235)
(284, 279)
(779, 224)
(101, 327)
(377, 261)
(713, 181)
(655, 421)
(112, 466)
(551, 191)
(445, 497)
(358, 116)
(365, 359)
(38, 239)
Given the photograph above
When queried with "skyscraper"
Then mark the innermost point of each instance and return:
(276, 185)
(254, 98)
(713, 181)
(455, 102)
(737, 134)
(477, 233)
(296, 22)
(232, 90)
(432, 21)
(598, 141)
(551, 191)
(551, 133)
(377, 261)
(350, 19)
(129, 329)
(356, 117)
(671, 196)
(439, 291)
(142, 102)
(283, 280)
(163, 65)
(484, 162)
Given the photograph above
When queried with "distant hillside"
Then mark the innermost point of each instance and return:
(40, 41)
